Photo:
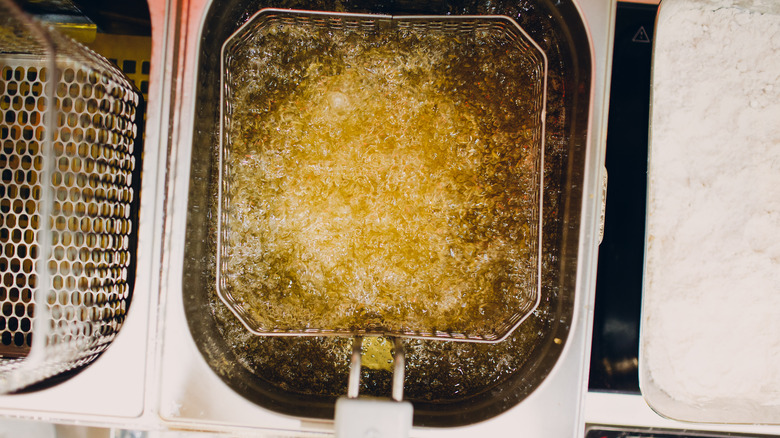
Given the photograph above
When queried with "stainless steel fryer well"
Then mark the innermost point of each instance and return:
(450, 383)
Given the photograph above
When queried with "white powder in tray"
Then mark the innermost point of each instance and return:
(710, 342)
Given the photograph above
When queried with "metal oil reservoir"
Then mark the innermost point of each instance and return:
(216, 374)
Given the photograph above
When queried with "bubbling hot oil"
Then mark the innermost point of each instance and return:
(383, 183)
(435, 370)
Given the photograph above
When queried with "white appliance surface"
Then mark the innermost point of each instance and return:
(193, 397)
(154, 378)
(628, 410)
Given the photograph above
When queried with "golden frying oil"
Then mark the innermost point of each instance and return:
(387, 183)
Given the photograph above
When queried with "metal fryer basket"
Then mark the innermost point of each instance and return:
(68, 202)
(499, 34)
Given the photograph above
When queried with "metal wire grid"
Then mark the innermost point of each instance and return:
(67, 165)
(502, 28)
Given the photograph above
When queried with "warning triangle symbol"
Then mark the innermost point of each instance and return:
(641, 36)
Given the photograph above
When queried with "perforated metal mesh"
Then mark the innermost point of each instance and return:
(501, 36)
(67, 202)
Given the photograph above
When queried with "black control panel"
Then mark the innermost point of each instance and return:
(614, 357)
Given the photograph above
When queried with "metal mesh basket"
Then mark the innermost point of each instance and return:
(68, 202)
(496, 76)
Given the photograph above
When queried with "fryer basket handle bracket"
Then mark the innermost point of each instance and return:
(360, 417)
(399, 368)
(353, 386)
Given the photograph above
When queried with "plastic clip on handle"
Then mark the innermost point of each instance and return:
(368, 417)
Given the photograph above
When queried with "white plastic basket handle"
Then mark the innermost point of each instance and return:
(369, 417)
